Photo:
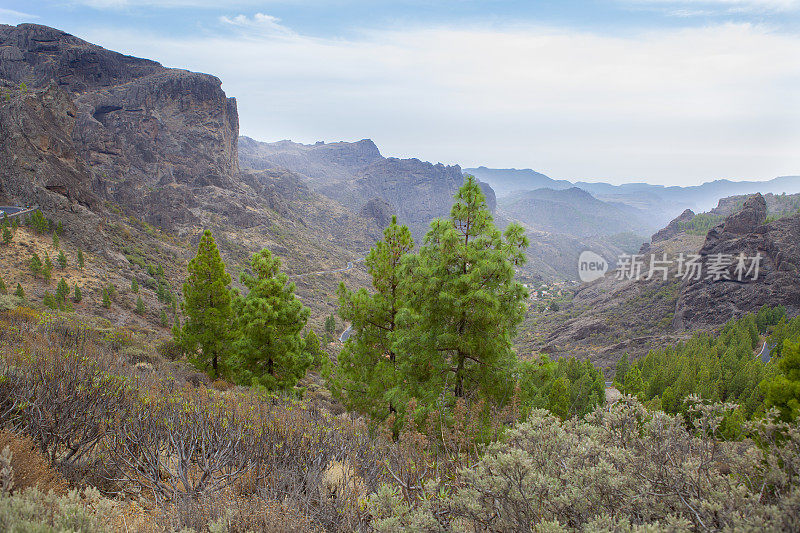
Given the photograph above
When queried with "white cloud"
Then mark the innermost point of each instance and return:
(725, 5)
(123, 4)
(10, 16)
(260, 24)
(673, 106)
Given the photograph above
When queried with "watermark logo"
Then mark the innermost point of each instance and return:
(714, 267)
(591, 266)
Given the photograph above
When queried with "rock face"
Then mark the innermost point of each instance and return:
(614, 315)
(710, 301)
(673, 228)
(378, 210)
(137, 129)
(104, 142)
(356, 175)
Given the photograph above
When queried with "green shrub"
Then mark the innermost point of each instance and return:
(33, 511)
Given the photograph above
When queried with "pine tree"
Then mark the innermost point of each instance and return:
(623, 366)
(313, 348)
(61, 260)
(47, 269)
(464, 304)
(19, 293)
(783, 390)
(49, 300)
(134, 286)
(368, 376)
(36, 264)
(3, 288)
(106, 298)
(163, 320)
(7, 236)
(56, 242)
(80, 259)
(140, 306)
(62, 291)
(269, 351)
(330, 324)
(207, 306)
(78, 295)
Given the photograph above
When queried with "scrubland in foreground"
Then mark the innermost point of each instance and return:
(95, 443)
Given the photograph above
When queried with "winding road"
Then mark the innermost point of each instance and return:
(350, 265)
(14, 211)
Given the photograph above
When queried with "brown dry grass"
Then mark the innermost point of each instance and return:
(31, 468)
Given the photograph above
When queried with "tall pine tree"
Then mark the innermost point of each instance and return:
(367, 377)
(464, 304)
(207, 307)
(270, 351)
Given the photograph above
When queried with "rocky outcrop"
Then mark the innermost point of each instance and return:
(714, 299)
(673, 228)
(378, 210)
(322, 163)
(132, 132)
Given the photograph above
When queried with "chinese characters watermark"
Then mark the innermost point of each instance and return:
(716, 267)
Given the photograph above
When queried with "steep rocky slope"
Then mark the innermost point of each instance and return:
(611, 316)
(359, 177)
(572, 211)
(122, 150)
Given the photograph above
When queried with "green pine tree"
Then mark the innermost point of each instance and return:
(19, 293)
(7, 236)
(464, 304)
(783, 390)
(330, 324)
(163, 320)
(80, 259)
(106, 298)
(56, 242)
(3, 288)
(269, 351)
(134, 286)
(62, 291)
(49, 300)
(61, 260)
(207, 307)
(36, 264)
(140, 306)
(78, 295)
(313, 348)
(367, 377)
(623, 366)
(47, 269)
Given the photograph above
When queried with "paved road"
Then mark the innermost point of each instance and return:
(766, 352)
(350, 265)
(13, 211)
(346, 334)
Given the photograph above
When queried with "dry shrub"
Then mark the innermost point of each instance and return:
(221, 385)
(229, 512)
(31, 468)
(341, 482)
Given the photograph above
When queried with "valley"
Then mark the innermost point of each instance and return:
(201, 331)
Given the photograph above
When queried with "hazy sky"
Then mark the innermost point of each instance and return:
(665, 91)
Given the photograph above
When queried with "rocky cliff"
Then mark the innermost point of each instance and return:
(709, 300)
(137, 130)
(611, 316)
(125, 152)
(357, 175)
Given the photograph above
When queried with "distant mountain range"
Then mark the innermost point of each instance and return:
(660, 203)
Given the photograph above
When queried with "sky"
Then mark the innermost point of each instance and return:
(675, 92)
